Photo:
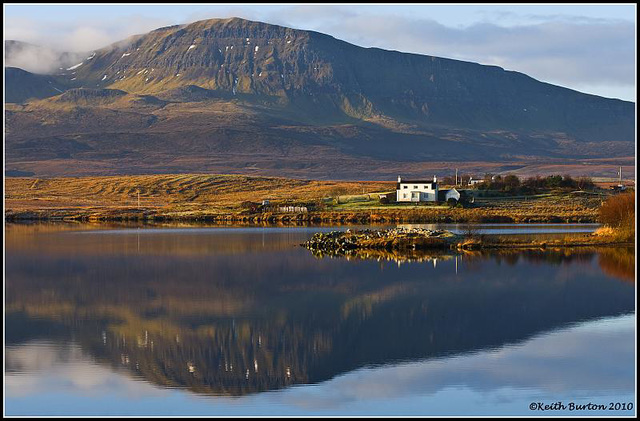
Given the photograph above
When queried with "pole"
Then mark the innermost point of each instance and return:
(620, 173)
(138, 199)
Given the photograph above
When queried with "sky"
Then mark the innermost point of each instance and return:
(590, 48)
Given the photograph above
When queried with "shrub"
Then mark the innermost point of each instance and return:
(511, 182)
(618, 212)
(585, 183)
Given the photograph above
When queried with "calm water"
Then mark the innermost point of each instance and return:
(111, 320)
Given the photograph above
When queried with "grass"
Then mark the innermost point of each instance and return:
(375, 204)
(172, 195)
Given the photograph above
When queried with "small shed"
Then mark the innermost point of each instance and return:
(445, 195)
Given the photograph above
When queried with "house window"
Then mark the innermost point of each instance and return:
(415, 187)
(404, 187)
(404, 196)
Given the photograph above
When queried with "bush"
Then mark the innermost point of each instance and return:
(585, 183)
(619, 212)
(452, 202)
(511, 182)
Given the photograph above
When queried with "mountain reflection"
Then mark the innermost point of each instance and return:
(237, 312)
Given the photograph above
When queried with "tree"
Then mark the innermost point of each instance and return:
(511, 182)
(567, 181)
(585, 183)
(553, 181)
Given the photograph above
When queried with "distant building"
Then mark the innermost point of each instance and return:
(473, 182)
(296, 209)
(417, 190)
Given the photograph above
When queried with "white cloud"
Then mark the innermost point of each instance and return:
(78, 35)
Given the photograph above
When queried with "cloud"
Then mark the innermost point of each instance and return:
(37, 59)
(77, 35)
(60, 44)
(39, 367)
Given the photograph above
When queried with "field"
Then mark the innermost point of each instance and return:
(220, 197)
(169, 195)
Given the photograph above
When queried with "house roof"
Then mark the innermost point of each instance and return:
(434, 183)
(418, 182)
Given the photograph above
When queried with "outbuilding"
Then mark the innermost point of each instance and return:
(445, 195)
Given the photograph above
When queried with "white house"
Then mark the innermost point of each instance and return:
(417, 190)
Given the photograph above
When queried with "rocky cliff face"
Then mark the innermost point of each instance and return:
(315, 73)
(303, 84)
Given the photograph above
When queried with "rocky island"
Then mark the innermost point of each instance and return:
(410, 240)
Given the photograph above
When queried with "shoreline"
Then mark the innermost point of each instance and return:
(467, 215)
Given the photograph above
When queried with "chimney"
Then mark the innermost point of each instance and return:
(435, 180)
(399, 179)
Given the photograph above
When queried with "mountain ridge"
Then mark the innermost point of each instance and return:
(400, 107)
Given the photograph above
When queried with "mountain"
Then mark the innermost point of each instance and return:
(240, 96)
(21, 85)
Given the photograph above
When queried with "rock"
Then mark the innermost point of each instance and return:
(339, 242)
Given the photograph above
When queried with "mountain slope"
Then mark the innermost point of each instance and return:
(21, 86)
(312, 70)
(236, 95)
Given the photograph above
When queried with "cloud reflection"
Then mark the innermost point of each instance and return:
(588, 359)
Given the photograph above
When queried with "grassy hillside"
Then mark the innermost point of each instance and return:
(169, 193)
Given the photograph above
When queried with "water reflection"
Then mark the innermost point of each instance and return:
(584, 362)
(239, 312)
(619, 263)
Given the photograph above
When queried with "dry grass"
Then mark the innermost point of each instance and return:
(604, 232)
(166, 194)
